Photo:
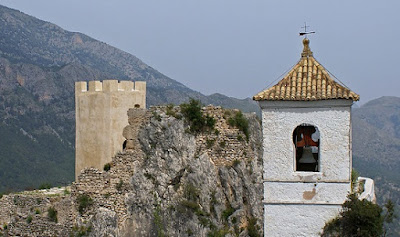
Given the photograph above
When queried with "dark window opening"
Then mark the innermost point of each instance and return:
(124, 145)
(137, 105)
(306, 142)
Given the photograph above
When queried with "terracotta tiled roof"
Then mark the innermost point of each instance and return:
(307, 80)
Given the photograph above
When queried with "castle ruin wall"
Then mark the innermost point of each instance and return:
(101, 116)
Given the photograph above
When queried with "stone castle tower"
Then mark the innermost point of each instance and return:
(101, 115)
(306, 121)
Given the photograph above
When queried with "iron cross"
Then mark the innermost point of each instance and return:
(305, 33)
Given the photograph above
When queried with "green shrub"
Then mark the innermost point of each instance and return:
(213, 202)
(107, 167)
(172, 112)
(45, 186)
(190, 201)
(227, 113)
(52, 214)
(236, 162)
(222, 144)
(156, 116)
(107, 195)
(189, 232)
(204, 221)
(37, 211)
(354, 177)
(240, 122)
(234, 220)
(119, 185)
(210, 122)
(194, 116)
(227, 212)
(84, 201)
(159, 222)
(192, 205)
(152, 178)
(210, 143)
(29, 219)
(253, 228)
(80, 231)
(190, 192)
(218, 232)
(357, 218)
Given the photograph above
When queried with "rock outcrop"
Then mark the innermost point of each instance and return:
(167, 182)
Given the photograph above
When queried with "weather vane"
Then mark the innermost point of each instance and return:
(305, 33)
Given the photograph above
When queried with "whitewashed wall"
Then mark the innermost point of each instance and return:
(299, 203)
(290, 220)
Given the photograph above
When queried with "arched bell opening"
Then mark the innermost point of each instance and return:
(306, 142)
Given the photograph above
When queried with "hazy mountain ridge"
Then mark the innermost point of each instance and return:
(376, 140)
(376, 146)
(31, 41)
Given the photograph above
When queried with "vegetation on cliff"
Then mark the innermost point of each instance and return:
(360, 218)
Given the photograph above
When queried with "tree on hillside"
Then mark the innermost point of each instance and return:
(360, 218)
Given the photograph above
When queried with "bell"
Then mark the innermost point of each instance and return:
(307, 157)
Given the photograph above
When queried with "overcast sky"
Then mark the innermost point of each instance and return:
(238, 47)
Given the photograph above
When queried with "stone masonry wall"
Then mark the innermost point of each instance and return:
(225, 144)
(26, 213)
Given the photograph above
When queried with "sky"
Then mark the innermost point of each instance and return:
(236, 47)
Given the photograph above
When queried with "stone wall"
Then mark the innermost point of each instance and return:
(226, 143)
(26, 213)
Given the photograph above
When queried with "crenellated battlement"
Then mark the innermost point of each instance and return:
(109, 86)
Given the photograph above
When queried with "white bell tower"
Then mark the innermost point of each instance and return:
(306, 121)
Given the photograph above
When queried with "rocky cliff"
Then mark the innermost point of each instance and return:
(168, 181)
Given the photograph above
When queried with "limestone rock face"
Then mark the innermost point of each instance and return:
(180, 191)
(169, 183)
(104, 223)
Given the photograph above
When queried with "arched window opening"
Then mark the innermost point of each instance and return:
(137, 106)
(306, 142)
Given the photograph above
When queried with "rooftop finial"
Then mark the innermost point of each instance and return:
(306, 50)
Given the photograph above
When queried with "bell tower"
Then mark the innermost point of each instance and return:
(306, 121)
